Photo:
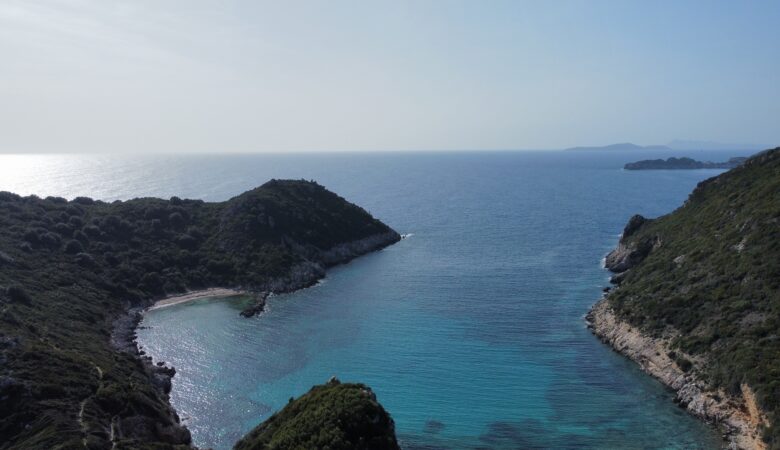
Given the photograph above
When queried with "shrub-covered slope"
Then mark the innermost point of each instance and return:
(69, 269)
(335, 416)
(708, 275)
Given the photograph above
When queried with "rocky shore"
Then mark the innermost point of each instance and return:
(737, 415)
(738, 418)
(305, 274)
(257, 306)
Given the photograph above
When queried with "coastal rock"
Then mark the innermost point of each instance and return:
(258, 305)
(653, 356)
(630, 252)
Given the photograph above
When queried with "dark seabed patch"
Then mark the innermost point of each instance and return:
(433, 427)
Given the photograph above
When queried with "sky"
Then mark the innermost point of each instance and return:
(254, 76)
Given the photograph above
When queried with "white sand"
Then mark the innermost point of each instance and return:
(196, 295)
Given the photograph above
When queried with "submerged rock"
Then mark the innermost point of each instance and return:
(257, 306)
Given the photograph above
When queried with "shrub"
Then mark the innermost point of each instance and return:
(74, 247)
(51, 240)
(186, 241)
(75, 222)
(83, 200)
(152, 282)
(63, 229)
(176, 220)
(17, 294)
(85, 260)
(31, 236)
(74, 210)
(80, 236)
(92, 231)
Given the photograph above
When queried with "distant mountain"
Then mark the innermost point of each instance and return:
(625, 146)
(678, 144)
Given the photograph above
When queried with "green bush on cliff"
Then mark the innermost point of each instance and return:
(332, 416)
(713, 282)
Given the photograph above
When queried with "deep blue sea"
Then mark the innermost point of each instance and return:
(470, 331)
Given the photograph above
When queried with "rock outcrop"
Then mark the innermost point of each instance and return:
(739, 418)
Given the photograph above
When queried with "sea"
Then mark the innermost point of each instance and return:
(470, 330)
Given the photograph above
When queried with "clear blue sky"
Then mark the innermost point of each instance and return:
(83, 75)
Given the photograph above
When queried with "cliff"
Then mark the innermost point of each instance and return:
(71, 270)
(697, 302)
(334, 415)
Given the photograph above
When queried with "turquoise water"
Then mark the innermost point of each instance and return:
(470, 331)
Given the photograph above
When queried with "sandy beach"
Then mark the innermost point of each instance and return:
(196, 295)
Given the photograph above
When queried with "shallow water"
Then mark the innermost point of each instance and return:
(470, 331)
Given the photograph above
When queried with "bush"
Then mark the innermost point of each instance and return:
(80, 236)
(17, 294)
(75, 221)
(73, 247)
(176, 220)
(92, 231)
(63, 229)
(85, 260)
(186, 241)
(51, 240)
(31, 236)
(83, 200)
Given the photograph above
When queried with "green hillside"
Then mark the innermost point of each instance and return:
(332, 416)
(70, 269)
(709, 275)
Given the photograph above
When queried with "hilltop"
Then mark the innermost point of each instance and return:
(697, 302)
(334, 415)
(71, 270)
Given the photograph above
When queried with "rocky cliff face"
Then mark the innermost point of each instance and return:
(739, 418)
(630, 252)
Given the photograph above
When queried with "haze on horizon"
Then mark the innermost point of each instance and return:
(243, 76)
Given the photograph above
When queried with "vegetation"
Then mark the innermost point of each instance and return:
(332, 416)
(709, 276)
(70, 269)
(683, 163)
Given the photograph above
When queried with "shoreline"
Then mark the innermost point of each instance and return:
(303, 275)
(739, 418)
(195, 295)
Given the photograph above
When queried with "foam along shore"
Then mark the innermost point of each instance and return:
(196, 295)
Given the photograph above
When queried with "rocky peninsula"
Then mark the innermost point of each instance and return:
(75, 276)
(683, 163)
(696, 299)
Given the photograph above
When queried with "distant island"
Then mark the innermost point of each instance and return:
(74, 276)
(679, 145)
(696, 301)
(683, 163)
(624, 146)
